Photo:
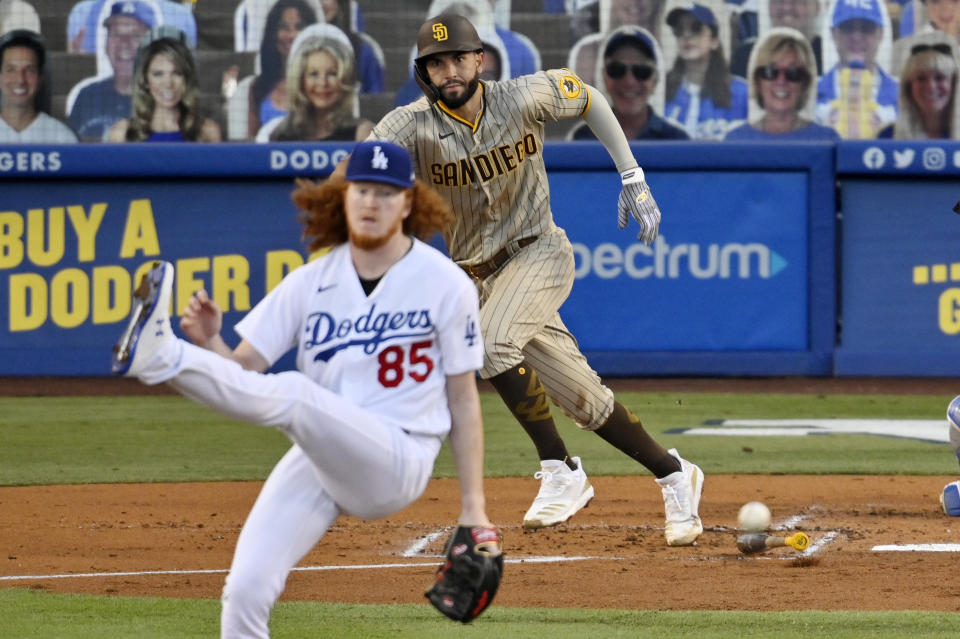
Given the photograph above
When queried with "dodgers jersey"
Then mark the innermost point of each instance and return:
(389, 352)
(491, 172)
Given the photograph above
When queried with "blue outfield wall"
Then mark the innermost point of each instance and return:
(899, 285)
(743, 280)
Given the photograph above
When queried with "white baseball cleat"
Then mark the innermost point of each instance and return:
(681, 501)
(562, 493)
(149, 324)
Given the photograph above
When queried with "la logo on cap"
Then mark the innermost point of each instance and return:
(379, 160)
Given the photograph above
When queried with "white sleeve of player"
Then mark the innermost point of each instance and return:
(272, 326)
(459, 331)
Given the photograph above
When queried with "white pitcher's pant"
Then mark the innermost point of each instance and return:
(291, 513)
(345, 460)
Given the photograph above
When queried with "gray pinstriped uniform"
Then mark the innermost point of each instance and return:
(493, 176)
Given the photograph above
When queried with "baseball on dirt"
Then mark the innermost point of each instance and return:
(754, 516)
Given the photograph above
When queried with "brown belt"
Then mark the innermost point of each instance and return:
(485, 269)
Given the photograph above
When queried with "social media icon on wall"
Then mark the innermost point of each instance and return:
(875, 158)
(934, 159)
(903, 159)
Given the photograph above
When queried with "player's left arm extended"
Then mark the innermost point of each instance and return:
(635, 196)
(466, 443)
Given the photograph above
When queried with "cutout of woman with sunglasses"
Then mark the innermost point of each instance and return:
(702, 96)
(782, 71)
(928, 90)
(631, 79)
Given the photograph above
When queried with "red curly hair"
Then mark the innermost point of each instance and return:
(325, 222)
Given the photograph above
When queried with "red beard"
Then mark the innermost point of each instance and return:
(373, 242)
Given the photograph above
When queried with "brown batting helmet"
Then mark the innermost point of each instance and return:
(442, 34)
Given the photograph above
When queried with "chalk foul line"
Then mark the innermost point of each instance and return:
(433, 564)
(916, 548)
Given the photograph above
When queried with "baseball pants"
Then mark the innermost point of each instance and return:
(345, 460)
(520, 320)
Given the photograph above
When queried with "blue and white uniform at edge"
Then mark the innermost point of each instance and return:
(950, 496)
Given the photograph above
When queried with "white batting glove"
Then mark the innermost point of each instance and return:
(636, 199)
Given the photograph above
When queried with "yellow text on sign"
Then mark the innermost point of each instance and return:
(40, 235)
(72, 297)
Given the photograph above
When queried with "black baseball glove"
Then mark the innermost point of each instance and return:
(468, 579)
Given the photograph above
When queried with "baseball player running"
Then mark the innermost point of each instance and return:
(480, 145)
(386, 368)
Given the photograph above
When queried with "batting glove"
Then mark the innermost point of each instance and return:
(636, 199)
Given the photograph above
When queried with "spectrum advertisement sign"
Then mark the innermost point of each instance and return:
(727, 273)
(741, 281)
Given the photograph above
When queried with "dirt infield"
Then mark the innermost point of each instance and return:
(611, 555)
(176, 540)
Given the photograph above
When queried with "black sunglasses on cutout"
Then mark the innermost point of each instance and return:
(791, 74)
(940, 47)
(641, 72)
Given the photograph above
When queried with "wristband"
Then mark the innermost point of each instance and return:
(632, 176)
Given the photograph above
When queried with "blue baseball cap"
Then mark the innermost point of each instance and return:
(702, 13)
(857, 9)
(131, 9)
(381, 161)
(633, 35)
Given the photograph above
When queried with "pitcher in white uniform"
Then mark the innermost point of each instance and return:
(388, 345)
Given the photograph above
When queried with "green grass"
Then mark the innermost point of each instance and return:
(77, 440)
(33, 615)
(72, 440)
(165, 438)
(509, 453)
